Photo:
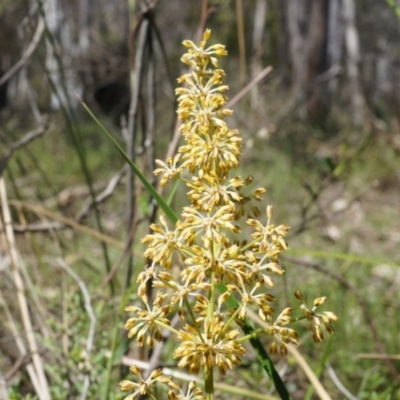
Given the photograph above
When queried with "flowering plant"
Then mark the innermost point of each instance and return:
(207, 241)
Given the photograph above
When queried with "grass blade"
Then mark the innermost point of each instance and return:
(146, 183)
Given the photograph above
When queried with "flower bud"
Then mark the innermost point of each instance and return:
(127, 385)
(135, 370)
(299, 295)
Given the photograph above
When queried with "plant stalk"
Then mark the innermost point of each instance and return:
(209, 382)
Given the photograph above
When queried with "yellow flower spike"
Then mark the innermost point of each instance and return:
(205, 244)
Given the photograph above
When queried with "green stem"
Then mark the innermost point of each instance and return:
(297, 319)
(255, 334)
(195, 325)
(211, 297)
(208, 370)
(189, 308)
(230, 320)
(209, 382)
(170, 328)
(249, 245)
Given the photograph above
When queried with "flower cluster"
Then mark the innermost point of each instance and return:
(147, 387)
(202, 261)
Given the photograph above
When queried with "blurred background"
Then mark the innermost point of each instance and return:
(315, 89)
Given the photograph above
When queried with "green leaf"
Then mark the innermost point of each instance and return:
(150, 188)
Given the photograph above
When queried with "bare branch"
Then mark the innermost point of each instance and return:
(249, 86)
(23, 142)
(104, 195)
(43, 390)
(27, 54)
(92, 317)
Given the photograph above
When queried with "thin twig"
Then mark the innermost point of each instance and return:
(69, 222)
(299, 99)
(136, 84)
(241, 40)
(92, 317)
(164, 54)
(23, 142)
(42, 315)
(38, 227)
(21, 361)
(3, 387)
(104, 195)
(119, 261)
(44, 392)
(339, 384)
(204, 13)
(21, 347)
(378, 356)
(27, 53)
(249, 86)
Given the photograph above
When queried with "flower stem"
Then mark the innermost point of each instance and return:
(195, 325)
(211, 297)
(170, 328)
(231, 319)
(251, 335)
(209, 382)
(208, 370)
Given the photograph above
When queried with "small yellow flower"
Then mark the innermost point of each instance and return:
(209, 349)
(317, 320)
(169, 169)
(161, 243)
(143, 386)
(146, 325)
(192, 393)
(208, 192)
